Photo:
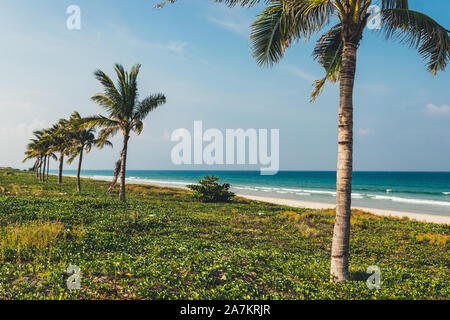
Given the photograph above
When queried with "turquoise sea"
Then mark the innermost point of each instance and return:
(424, 192)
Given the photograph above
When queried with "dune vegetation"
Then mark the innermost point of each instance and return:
(164, 244)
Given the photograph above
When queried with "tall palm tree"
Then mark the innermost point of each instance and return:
(284, 22)
(125, 113)
(82, 140)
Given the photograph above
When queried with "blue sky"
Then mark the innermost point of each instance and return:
(198, 54)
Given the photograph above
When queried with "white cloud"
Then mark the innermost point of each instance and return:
(241, 28)
(364, 132)
(22, 130)
(129, 37)
(299, 73)
(435, 110)
(8, 101)
(174, 46)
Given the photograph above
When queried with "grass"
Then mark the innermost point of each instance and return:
(164, 245)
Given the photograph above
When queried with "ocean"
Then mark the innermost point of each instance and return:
(422, 192)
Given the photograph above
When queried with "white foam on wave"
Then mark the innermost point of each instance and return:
(300, 192)
(332, 193)
(140, 180)
(303, 193)
(103, 178)
(412, 201)
(163, 182)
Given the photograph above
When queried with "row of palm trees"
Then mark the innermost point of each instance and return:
(66, 138)
(73, 137)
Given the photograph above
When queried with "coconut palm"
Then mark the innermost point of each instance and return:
(284, 22)
(82, 140)
(46, 144)
(125, 113)
(41, 149)
(38, 149)
(49, 153)
(60, 140)
(35, 151)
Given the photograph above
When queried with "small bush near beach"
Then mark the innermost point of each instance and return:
(163, 244)
(209, 190)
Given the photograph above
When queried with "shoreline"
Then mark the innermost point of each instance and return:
(422, 217)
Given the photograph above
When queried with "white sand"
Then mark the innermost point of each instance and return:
(317, 205)
(425, 217)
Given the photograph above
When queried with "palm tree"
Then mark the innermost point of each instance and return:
(60, 139)
(125, 112)
(49, 153)
(82, 140)
(45, 142)
(34, 151)
(284, 22)
(38, 149)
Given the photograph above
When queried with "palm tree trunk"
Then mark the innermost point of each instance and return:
(45, 166)
(61, 162)
(123, 160)
(40, 170)
(34, 169)
(116, 175)
(341, 235)
(79, 171)
(48, 166)
(38, 163)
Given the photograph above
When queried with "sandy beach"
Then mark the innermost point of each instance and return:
(317, 205)
(424, 217)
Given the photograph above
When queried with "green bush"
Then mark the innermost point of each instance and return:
(208, 190)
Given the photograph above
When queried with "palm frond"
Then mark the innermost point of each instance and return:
(132, 87)
(122, 87)
(73, 155)
(392, 4)
(149, 104)
(138, 126)
(328, 52)
(107, 103)
(110, 89)
(284, 22)
(104, 143)
(421, 32)
(230, 3)
(99, 121)
(106, 133)
(318, 87)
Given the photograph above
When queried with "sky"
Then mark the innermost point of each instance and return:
(197, 53)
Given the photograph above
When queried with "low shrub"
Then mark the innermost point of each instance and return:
(209, 190)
